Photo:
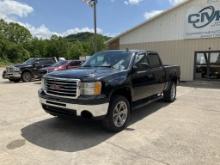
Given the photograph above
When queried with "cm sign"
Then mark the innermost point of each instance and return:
(204, 17)
(203, 21)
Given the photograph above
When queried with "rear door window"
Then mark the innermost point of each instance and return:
(75, 63)
(46, 62)
(154, 60)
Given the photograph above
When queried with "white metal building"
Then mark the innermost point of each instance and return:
(187, 35)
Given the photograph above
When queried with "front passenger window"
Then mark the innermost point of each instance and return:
(141, 61)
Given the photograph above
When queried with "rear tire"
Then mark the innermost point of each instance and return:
(26, 76)
(170, 94)
(118, 114)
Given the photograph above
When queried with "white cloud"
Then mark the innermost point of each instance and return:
(44, 32)
(151, 14)
(132, 2)
(9, 9)
(175, 2)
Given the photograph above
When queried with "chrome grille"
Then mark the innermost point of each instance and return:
(9, 69)
(66, 88)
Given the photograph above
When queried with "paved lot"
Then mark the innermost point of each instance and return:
(185, 132)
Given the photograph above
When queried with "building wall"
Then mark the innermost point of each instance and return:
(179, 52)
(167, 27)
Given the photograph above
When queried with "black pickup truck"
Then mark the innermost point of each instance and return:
(27, 71)
(108, 86)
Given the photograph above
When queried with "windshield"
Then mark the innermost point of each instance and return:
(59, 63)
(116, 60)
(29, 61)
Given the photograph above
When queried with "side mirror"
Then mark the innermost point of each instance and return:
(35, 64)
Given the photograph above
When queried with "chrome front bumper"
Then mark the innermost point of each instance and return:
(15, 75)
(95, 110)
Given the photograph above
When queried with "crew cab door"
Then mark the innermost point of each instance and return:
(42, 63)
(147, 76)
(141, 78)
(157, 73)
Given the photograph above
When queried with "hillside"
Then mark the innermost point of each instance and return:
(17, 44)
(84, 37)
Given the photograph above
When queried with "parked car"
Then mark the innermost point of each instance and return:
(108, 86)
(27, 71)
(62, 65)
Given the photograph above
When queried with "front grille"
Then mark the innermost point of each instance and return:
(66, 88)
(9, 69)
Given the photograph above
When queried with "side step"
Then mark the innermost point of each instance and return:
(145, 102)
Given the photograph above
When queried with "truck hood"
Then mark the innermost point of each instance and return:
(85, 74)
(20, 65)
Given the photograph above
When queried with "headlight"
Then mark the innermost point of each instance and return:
(91, 88)
(16, 69)
(43, 84)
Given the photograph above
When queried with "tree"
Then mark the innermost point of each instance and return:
(37, 48)
(17, 44)
(57, 47)
(14, 32)
(75, 50)
(12, 52)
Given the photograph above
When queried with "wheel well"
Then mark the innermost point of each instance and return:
(174, 79)
(126, 92)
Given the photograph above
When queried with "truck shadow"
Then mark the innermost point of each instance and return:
(202, 84)
(37, 82)
(77, 134)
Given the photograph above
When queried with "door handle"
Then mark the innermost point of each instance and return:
(143, 71)
(150, 75)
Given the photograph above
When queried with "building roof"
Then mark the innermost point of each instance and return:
(148, 21)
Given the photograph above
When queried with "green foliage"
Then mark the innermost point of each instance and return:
(14, 32)
(17, 44)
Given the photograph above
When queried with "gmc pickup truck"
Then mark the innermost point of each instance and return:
(109, 86)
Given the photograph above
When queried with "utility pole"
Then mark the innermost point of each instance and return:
(93, 3)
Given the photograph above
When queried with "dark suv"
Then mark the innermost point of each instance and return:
(27, 71)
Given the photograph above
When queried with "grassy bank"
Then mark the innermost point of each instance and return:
(4, 63)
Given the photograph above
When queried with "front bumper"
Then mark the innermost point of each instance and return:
(11, 75)
(55, 105)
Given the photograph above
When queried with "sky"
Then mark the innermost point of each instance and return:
(63, 17)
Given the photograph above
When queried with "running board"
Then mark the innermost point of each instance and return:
(146, 102)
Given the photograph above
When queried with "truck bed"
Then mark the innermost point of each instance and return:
(172, 71)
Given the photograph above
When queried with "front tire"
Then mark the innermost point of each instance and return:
(118, 114)
(170, 94)
(26, 76)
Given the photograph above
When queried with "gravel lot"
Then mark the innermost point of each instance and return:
(185, 132)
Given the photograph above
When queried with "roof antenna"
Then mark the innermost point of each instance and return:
(127, 49)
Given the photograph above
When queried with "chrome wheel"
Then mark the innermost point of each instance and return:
(120, 114)
(26, 77)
